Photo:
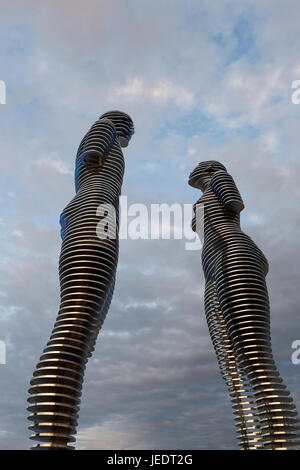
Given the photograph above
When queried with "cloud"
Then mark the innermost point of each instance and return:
(107, 437)
(162, 93)
(133, 87)
(198, 88)
(52, 162)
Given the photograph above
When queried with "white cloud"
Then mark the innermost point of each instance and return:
(133, 87)
(18, 233)
(51, 161)
(160, 92)
(244, 96)
(167, 91)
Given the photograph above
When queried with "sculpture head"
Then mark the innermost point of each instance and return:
(201, 175)
(123, 124)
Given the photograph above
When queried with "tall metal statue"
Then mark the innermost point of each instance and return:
(238, 314)
(87, 269)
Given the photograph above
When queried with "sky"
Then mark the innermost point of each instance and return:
(201, 80)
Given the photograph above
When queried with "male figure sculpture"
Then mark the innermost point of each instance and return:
(238, 315)
(87, 269)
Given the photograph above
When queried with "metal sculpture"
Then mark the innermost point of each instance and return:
(87, 268)
(238, 314)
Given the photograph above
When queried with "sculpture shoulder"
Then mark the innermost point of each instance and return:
(225, 188)
(94, 148)
(104, 124)
(220, 175)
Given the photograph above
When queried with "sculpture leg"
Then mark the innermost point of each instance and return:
(243, 403)
(87, 273)
(243, 297)
(102, 317)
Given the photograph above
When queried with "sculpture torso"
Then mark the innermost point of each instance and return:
(223, 236)
(96, 183)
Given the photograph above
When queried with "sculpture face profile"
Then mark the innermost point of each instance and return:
(87, 270)
(238, 316)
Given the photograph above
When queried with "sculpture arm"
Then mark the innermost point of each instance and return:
(97, 143)
(225, 189)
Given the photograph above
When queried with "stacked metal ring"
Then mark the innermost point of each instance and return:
(238, 315)
(87, 269)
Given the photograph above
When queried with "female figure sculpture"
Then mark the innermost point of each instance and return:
(87, 269)
(238, 315)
